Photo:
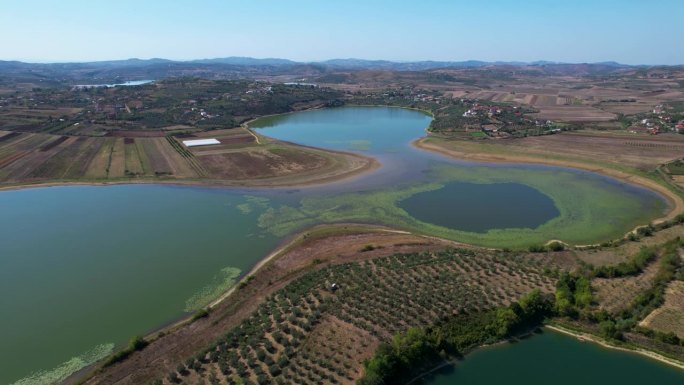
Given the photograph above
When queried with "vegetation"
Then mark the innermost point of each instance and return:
(411, 352)
(574, 297)
(583, 208)
(458, 117)
(134, 344)
(191, 104)
(306, 332)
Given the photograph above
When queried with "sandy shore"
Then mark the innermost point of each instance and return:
(675, 201)
(590, 337)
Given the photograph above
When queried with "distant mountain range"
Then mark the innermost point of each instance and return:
(247, 67)
(350, 63)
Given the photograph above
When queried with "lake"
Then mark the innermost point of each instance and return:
(84, 268)
(555, 358)
(514, 205)
(124, 84)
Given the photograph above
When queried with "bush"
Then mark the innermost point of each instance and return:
(201, 313)
(609, 330)
(367, 248)
(137, 343)
(134, 344)
(537, 249)
(645, 231)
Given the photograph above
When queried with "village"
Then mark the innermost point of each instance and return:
(663, 118)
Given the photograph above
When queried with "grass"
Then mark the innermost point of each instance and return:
(591, 209)
(676, 167)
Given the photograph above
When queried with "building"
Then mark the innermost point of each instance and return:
(200, 142)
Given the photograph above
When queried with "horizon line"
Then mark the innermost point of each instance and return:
(498, 61)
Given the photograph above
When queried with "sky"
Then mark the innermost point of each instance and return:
(627, 31)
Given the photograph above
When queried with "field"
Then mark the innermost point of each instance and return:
(30, 158)
(616, 294)
(670, 316)
(34, 158)
(574, 114)
(365, 307)
(623, 150)
(623, 252)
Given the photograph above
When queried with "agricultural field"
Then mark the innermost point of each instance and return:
(318, 328)
(35, 158)
(644, 153)
(573, 114)
(30, 158)
(669, 318)
(605, 256)
(616, 294)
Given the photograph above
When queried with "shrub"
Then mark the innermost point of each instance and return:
(556, 246)
(201, 313)
(367, 248)
(537, 249)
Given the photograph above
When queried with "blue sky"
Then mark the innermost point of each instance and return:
(628, 31)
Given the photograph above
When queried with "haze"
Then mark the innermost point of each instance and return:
(630, 32)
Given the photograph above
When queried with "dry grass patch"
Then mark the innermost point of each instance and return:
(624, 252)
(616, 294)
(572, 113)
(670, 316)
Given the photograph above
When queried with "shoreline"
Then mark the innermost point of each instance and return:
(292, 241)
(675, 202)
(287, 245)
(582, 336)
(370, 164)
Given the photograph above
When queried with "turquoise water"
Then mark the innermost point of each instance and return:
(83, 269)
(554, 358)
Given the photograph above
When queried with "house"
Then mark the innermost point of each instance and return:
(680, 127)
(490, 128)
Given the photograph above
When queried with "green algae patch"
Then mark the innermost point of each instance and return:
(590, 208)
(223, 281)
(64, 370)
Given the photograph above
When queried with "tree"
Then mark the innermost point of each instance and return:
(506, 321)
(583, 296)
(608, 330)
(535, 306)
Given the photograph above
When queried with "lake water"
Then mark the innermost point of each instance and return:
(554, 358)
(82, 269)
(127, 83)
(513, 205)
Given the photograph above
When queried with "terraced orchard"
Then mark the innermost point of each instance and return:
(319, 328)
